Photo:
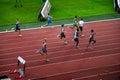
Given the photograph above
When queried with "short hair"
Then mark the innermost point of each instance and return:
(17, 19)
(81, 19)
(75, 16)
(62, 25)
(92, 30)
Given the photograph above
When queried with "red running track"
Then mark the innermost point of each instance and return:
(67, 62)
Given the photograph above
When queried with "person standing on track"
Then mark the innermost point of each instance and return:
(43, 52)
(62, 34)
(76, 39)
(81, 25)
(17, 28)
(92, 39)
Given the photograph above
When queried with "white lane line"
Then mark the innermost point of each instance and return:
(115, 43)
(95, 75)
(51, 38)
(50, 53)
(58, 30)
(75, 60)
(50, 43)
(76, 71)
(66, 56)
(8, 44)
(57, 43)
(69, 61)
(68, 24)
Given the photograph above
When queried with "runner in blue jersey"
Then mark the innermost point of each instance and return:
(17, 28)
(49, 20)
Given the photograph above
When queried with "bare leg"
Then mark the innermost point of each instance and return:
(81, 33)
(41, 53)
(44, 25)
(19, 33)
(72, 27)
(65, 42)
(88, 45)
(47, 59)
(93, 43)
(77, 42)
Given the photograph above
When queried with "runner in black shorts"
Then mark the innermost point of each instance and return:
(81, 25)
(62, 34)
(76, 39)
(92, 39)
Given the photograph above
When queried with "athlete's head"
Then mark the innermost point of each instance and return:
(81, 19)
(62, 25)
(92, 30)
(17, 19)
(75, 16)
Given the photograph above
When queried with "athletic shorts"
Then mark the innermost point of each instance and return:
(81, 28)
(62, 35)
(44, 50)
(92, 39)
(49, 21)
(76, 39)
(75, 25)
(17, 28)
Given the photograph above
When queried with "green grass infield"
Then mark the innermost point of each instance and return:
(61, 9)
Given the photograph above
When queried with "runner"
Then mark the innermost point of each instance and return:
(75, 19)
(76, 39)
(92, 39)
(75, 23)
(81, 25)
(49, 21)
(43, 52)
(62, 34)
(17, 28)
